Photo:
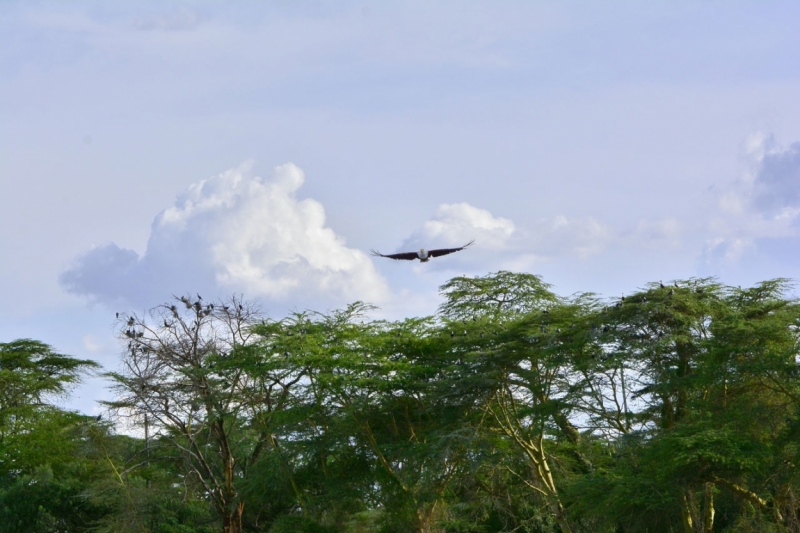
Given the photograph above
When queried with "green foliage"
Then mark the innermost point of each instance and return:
(500, 295)
(298, 524)
(30, 373)
(676, 408)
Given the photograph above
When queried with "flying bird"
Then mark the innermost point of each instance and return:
(423, 255)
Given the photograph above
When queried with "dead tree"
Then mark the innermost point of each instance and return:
(191, 379)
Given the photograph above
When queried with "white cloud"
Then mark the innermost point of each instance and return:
(770, 185)
(91, 344)
(455, 224)
(573, 237)
(761, 207)
(777, 184)
(507, 246)
(727, 250)
(234, 233)
(656, 234)
(177, 20)
(547, 239)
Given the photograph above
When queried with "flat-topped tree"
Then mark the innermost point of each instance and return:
(502, 294)
(31, 373)
(513, 344)
(41, 445)
(714, 404)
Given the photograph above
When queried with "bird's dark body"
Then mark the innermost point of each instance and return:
(423, 255)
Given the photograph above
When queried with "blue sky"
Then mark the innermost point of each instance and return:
(158, 148)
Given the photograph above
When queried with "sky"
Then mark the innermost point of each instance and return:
(152, 149)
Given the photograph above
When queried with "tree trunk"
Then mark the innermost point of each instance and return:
(708, 515)
(561, 516)
(687, 512)
(543, 481)
(424, 519)
(752, 497)
(232, 519)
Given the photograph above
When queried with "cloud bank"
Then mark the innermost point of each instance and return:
(501, 244)
(759, 213)
(776, 184)
(238, 233)
(234, 233)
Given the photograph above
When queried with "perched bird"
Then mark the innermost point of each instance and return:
(423, 255)
(661, 284)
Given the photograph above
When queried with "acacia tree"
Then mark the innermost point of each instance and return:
(193, 384)
(711, 373)
(654, 341)
(753, 365)
(366, 391)
(31, 373)
(676, 407)
(42, 468)
(518, 351)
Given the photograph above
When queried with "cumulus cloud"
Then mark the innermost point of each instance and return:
(499, 243)
(770, 185)
(761, 207)
(777, 185)
(234, 233)
(455, 224)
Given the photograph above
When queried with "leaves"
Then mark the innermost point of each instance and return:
(512, 408)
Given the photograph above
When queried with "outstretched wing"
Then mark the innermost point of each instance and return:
(445, 251)
(407, 256)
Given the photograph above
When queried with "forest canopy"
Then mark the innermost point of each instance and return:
(675, 408)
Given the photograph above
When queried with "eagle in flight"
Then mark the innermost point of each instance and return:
(423, 255)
